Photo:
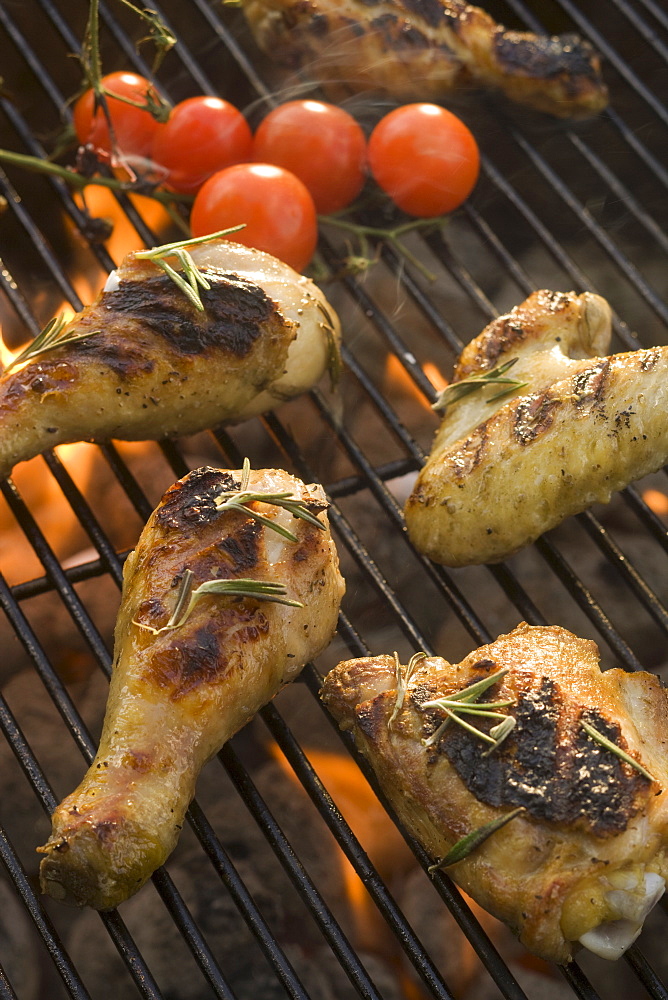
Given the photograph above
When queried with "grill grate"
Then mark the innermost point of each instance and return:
(559, 206)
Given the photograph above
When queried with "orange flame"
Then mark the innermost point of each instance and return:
(656, 501)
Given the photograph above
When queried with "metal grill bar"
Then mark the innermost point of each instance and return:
(363, 477)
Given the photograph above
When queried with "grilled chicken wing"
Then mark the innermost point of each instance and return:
(424, 49)
(586, 857)
(189, 673)
(151, 365)
(503, 471)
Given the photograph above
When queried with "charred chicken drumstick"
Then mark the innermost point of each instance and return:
(555, 818)
(143, 361)
(424, 49)
(538, 425)
(233, 587)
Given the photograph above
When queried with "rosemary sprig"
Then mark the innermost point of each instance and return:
(190, 279)
(187, 597)
(497, 376)
(403, 680)
(392, 236)
(334, 362)
(609, 745)
(464, 847)
(465, 702)
(53, 335)
(239, 499)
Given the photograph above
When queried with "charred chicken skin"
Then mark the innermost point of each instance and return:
(585, 855)
(571, 428)
(150, 364)
(424, 49)
(190, 669)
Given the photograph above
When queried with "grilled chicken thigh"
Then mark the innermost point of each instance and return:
(151, 365)
(190, 670)
(575, 427)
(424, 50)
(585, 856)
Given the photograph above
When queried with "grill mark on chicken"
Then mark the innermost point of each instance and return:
(590, 385)
(193, 500)
(534, 416)
(469, 455)
(544, 57)
(548, 765)
(431, 11)
(234, 311)
(649, 359)
(197, 660)
(242, 547)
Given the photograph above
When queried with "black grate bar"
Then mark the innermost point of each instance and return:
(649, 519)
(645, 973)
(330, 929)
(655, 11)
(355, 854)
(583, 215)
(86, 518)
(244, 902)
(117, 930)
(61, 961)
(6, 988)
(53, 569)
(616, 558)
(581, 986)
(576, 588)
(191, 934)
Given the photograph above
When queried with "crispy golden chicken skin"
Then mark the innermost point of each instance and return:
(178, 693)
(424, 49)
(575, 427)
(155, 366)
(586, 856)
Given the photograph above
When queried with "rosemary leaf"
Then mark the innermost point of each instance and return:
(53, 335)
(465, 702)
(239, 499)
(464, 847)
(472, 729)
(474, 691)
(497, 376)
(334, 360)
(189, 279)
(500, 732)
(609, 745)
(403, 680)
(187, 597)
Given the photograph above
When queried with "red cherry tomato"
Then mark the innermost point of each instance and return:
(277, 210)
(134, 128)
(320, 143)
(201, 136)
(424, 158)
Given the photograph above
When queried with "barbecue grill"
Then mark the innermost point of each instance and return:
(292, 877)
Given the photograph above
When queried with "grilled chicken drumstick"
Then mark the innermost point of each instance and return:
(201, 645)
(150, 364)
(570, 427)
(569, 766)
(425, 49)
